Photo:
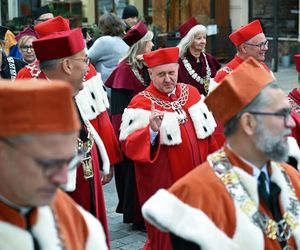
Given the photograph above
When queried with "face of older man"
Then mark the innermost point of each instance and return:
(79, 69)
(164, 77)
(27, 177)
(272, 130)
(256, 47)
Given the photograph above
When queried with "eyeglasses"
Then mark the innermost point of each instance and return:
(261, 45)
(285, 113)
(84, 59)
(27, 47)
(49, 167)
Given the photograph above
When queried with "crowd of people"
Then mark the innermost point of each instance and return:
(203, 156)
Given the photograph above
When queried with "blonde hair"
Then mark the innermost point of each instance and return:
(136, 49)
(188, 39)
(23, 40)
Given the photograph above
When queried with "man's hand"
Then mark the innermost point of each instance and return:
(156, 118)
(107, 178)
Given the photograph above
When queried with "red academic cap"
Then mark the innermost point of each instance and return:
(59, 45)
(237, 90)
(297, 62)
(161, 56)
(52, 25)
(185, 28)
(37, 107)
(135, 33)
(246, 32)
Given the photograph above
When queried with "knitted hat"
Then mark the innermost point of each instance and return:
(135, 34)
(40, 11)
(130, 11)
(237, 90)
(161, 56)
(245, 33)
(59, 45)
(37, 107)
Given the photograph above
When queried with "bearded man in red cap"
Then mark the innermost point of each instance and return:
(250, 41)
(243, 196)
(166, 130)
(97, 138)
(39, 127)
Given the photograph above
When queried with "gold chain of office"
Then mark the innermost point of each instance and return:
(180, 102)
(281, 230)
(203, 81)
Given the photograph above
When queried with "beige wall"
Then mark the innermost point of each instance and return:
(239, 13)
(88, 9)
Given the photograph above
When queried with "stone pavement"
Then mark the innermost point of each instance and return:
(123, 236)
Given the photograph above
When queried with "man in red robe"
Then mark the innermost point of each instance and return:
(243, 196)
(166, 130)
(250, 41)
(38, 136)
(97, 137)
(294, 99)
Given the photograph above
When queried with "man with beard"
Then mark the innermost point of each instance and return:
(242, 197)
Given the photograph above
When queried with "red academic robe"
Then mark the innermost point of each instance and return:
(224, 71)
(31, 71)
(211, 217)
(199, 67)
(124, 86)
(91, 197)
(73, 227)
(294, 99)
(232, 65)
(177, 150)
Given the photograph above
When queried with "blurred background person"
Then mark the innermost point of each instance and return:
(87, 38)
(108, 49)
(9, 66)
(196, 67)
(128, 79)
(10, 41)
(130, 16)
(26, 49)
(42, 14)
(39, 15)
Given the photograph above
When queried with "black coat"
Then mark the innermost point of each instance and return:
(10, 67)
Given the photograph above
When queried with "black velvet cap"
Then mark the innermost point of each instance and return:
(130, 11)
(40, 11)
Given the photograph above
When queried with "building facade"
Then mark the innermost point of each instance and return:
(280, 18)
